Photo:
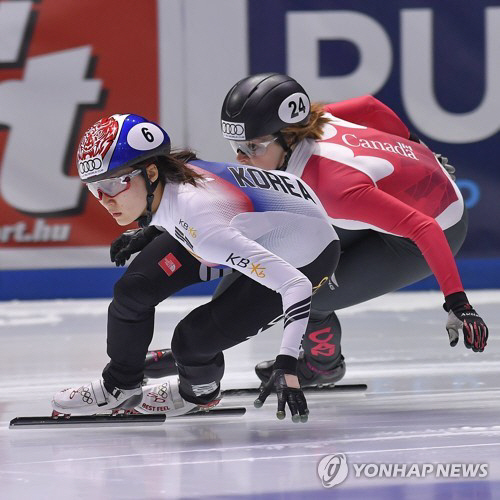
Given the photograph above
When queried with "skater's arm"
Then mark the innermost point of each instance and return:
(363, 201)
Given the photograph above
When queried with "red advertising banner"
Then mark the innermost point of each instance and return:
(63, 66)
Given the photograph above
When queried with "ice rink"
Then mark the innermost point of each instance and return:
(426, 403)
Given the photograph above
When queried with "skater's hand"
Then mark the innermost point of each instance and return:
(462, 315)
(289, 392)
(444, 161)
(131, 241)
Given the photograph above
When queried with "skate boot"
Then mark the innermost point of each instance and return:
(309, 375)
(94, 398)
(159, 364)
(165, 398)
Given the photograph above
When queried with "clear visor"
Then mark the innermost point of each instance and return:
(113, 186)
(251, 148)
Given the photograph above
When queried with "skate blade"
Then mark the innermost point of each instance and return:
(122, 419)
(306, 389)
(232, 411)
(336, 387)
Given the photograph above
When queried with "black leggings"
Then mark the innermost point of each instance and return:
(371, 264)
(199, 339)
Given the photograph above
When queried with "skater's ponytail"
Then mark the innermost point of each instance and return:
(173, 168)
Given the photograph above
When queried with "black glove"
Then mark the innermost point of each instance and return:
(286, 395)
(131, 241)
(462, 315)
(439, 157)
(444, 161)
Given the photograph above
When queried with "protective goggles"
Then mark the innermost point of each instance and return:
(251, 148)
(113, 186)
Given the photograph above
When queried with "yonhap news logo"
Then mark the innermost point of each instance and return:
(334, 469)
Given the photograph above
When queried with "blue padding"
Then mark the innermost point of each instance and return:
(72, 284)
(98, 283)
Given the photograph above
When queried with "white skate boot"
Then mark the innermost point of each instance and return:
(165, 398)
(94, 398)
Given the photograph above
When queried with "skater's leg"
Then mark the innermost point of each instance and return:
(162, 268)
(199, 340)
(161, 363)
(324, 363)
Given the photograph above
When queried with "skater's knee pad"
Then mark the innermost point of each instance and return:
(135, 292)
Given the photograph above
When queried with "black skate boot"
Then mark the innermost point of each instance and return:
(159, 363)
(309, 375)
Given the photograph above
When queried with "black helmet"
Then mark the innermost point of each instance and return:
(263, 104)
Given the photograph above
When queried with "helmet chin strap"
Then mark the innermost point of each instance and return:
(288, 151)
(145, 220)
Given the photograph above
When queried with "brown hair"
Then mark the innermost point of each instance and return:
(311, 130)
(172, 168)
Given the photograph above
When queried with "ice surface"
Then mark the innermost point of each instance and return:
(426, 403)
